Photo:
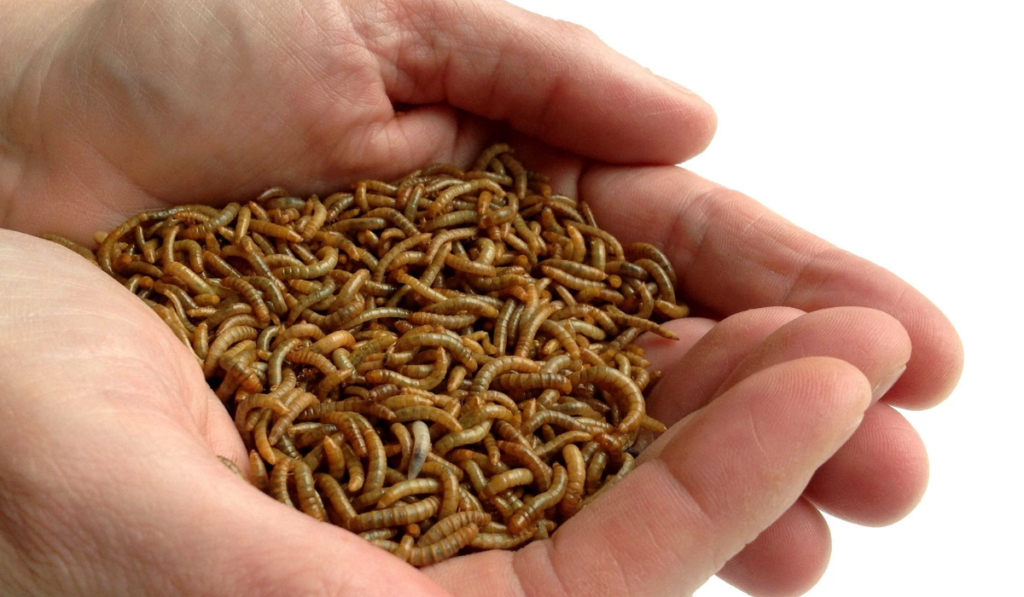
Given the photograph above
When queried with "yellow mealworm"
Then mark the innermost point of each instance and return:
(452, 523)
(455, 439)
(420, 449)
(445, 548)
(336, 496)
(504, 481)
(535, 506)
(401, 514)
(622, 388)
(529, 458)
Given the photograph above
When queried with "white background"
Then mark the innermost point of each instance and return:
(894, 130)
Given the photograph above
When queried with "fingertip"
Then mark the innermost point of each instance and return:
(935, 368)
(786, 559)
(879, 476)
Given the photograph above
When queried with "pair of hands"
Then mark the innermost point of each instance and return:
(109, 483)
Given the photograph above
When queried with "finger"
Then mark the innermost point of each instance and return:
(704, 490)
(732, 254)
(879, 475)
(549, 79)
(692, 376)
(868, 339)
(788, 558)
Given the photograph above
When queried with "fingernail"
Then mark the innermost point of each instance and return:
(886, 384)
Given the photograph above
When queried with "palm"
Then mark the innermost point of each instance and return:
(219, 100)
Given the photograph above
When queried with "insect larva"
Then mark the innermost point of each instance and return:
(274, 230)
(534, 507)
(452, 523)
(251, 295)
(449, 477)
(473, 305)
(455, 439)
(595, 470)
(493, 452)
(561, 441)
(278, 486)
(379, 313)
(621, 387)
(298, 404)
(232, 466)
(377, 462)
(356, 474)
(452, 322)
(190, 278)
(487, 412)
(450, 343)
(406, 401)
(638, 323)
(427, 413)
(503, 540)
(200, 341)
(653, 424)
(576, 469)
(221, 344)
(445, 548)
(407, 488)
(401, 514)
(309, 499)
(473, 268)
(421, 447)
(258, 401)
(501, 365)
(529, 458)
(335, 456)
(336, 496)
(331, 381)
(395, 251)
(504, 481)
(456, 377)
(305, 356)
(524, 382)
(563, 337)
(258, 471)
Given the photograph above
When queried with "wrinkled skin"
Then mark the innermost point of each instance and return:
(109, 483)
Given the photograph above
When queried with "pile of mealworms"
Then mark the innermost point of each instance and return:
(442, 364)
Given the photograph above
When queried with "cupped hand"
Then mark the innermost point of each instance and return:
(128, 105)
(142, 104)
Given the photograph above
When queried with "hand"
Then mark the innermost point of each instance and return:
(225, 155)
(128, 105)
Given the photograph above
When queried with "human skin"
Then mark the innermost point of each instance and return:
(110, 483)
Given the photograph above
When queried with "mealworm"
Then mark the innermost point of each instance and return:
(445, 548)
(620, 386)
(503, 540)
(535, 506)
(401, 514)
(455, 439)
(576, 469)
(504, 481)
(377, 462)
(420, 449)
(356, 474)
(428, 413)
(529, 458)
